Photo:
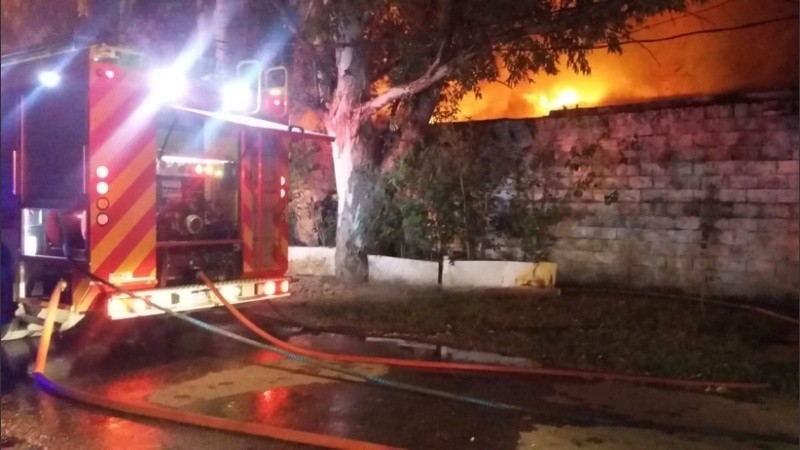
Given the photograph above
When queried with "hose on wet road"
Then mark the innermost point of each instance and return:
(309, 360)
(151, 411)
(470, 367)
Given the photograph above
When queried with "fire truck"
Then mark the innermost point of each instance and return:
(143, 176)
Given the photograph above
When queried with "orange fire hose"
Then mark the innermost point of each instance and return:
(469, 367)
(151, 411)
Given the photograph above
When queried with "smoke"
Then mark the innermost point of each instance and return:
(753, 59)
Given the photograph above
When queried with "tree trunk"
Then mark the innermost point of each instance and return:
(351, 152)
(224, 11)
(354, 184)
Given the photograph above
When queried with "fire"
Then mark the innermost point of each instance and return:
(563, 98)
(745, 60)
(567, 97)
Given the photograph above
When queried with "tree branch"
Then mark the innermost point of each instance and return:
(433, 75)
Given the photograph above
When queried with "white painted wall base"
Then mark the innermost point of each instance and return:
(401, 270)
(319, 261)
(496, 273)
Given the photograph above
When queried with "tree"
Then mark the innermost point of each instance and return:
(402, 62)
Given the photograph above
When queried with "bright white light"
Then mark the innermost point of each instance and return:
(237, 96)
(31, 245)
(167, 85)
(117, 307)
(270, 287)
(229, 292)
(275, 92)
(190, 159)
(139, 305)
(49, 78)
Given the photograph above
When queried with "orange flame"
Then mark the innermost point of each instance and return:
(751, 59)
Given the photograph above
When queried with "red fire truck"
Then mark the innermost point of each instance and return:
(143, 177)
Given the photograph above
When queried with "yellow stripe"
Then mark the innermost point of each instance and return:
(123, 226)
(140, 252)
(247, 235)
(103, 108)
(120, 184)
(80, 291)
(136, 122)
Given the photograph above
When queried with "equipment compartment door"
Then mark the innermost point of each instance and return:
(263, 205)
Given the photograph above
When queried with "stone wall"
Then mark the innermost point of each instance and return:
(708, 195)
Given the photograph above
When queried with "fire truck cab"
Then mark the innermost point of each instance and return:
(144, 177)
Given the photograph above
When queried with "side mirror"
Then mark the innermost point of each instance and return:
(249, 72)
(276, 85)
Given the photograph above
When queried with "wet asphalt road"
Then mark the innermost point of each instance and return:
(174, 365)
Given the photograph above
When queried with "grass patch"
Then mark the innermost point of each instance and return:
(641, 335)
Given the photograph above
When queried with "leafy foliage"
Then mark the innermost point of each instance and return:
(407, 43)
(457, 193)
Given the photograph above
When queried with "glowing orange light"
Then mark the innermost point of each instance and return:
(116, 307)
(567, 97)
(284, 286)
(102, 203)
(272, 402)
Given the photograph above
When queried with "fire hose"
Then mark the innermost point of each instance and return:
(146, 410)
(470, 367)
(151, 411)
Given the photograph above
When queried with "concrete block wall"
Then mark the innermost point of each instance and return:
(708, 196)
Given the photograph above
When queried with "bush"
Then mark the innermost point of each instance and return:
(454, 194)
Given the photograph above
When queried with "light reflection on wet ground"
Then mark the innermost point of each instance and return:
(173, 365)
